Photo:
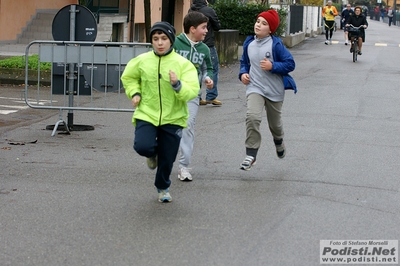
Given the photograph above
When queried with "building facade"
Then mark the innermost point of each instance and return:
(15, 15)
(117, 20)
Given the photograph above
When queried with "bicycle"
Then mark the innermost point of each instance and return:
(355, 32)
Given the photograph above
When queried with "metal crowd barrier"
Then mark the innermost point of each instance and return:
(85, 76)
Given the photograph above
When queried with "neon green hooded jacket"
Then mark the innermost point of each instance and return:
(148, 75)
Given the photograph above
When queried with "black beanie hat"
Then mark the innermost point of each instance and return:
(165, 27)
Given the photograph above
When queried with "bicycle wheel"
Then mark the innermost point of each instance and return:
(355, 51)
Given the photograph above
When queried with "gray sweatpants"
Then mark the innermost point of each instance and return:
(187, 140)
(255, 105)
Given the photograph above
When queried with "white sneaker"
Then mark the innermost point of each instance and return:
(163, 195)
(346, 42)
(184, 174)
(330, 41)
(247, 163)
(326, 42)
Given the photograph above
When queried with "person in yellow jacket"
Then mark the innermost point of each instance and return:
(329, 13)
(159, 84)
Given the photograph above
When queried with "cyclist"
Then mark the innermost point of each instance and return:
(329, 13)
(357, 20)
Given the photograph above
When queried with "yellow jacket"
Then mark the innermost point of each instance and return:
(326, 13)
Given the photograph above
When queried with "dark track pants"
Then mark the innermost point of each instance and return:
(162, 141)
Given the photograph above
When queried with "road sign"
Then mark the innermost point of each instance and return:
(85, 24)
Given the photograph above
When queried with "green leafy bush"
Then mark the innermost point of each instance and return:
(242, 16)
(20, 61)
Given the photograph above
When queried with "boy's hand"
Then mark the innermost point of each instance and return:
(136, 100)
(245, 78)
(266, 64)
(172, 78)
(209, 83)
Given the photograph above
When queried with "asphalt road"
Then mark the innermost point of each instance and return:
(88, 198)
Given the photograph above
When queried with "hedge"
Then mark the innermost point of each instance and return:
(238, 16)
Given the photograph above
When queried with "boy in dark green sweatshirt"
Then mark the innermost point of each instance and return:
(189, 45)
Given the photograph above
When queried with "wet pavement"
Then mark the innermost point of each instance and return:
(88, 198)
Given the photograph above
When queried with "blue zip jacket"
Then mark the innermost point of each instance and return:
(283, 61)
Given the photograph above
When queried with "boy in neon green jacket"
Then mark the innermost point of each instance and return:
(159, 83)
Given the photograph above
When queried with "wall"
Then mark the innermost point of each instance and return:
(227, 43)
(23, 10)
(155, 9)
(181, 9)
(105, 27)
(312, 20)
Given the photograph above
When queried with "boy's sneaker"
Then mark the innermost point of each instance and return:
(203, 102)
(152, 162)
(280, 148)
(248, 162)
(330, 41)
(163, 195)
(215, 102)
(326, 42)
(184, 174)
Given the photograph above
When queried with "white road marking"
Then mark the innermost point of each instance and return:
(14, 106)
(6, 112)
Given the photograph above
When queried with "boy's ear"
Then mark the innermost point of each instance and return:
(192, 29)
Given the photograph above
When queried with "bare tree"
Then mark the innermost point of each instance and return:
(147, 19)
(132, 21)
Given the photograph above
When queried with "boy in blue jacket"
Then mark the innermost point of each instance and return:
(264, 69)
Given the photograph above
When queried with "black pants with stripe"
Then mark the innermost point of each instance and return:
(329, 27)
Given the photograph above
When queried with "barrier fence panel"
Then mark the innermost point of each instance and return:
(85, 76)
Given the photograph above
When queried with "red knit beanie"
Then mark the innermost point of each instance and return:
(272, 17)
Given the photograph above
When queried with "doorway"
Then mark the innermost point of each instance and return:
(168, 10)
(117, 34)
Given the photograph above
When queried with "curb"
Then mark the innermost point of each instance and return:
(17, 77)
